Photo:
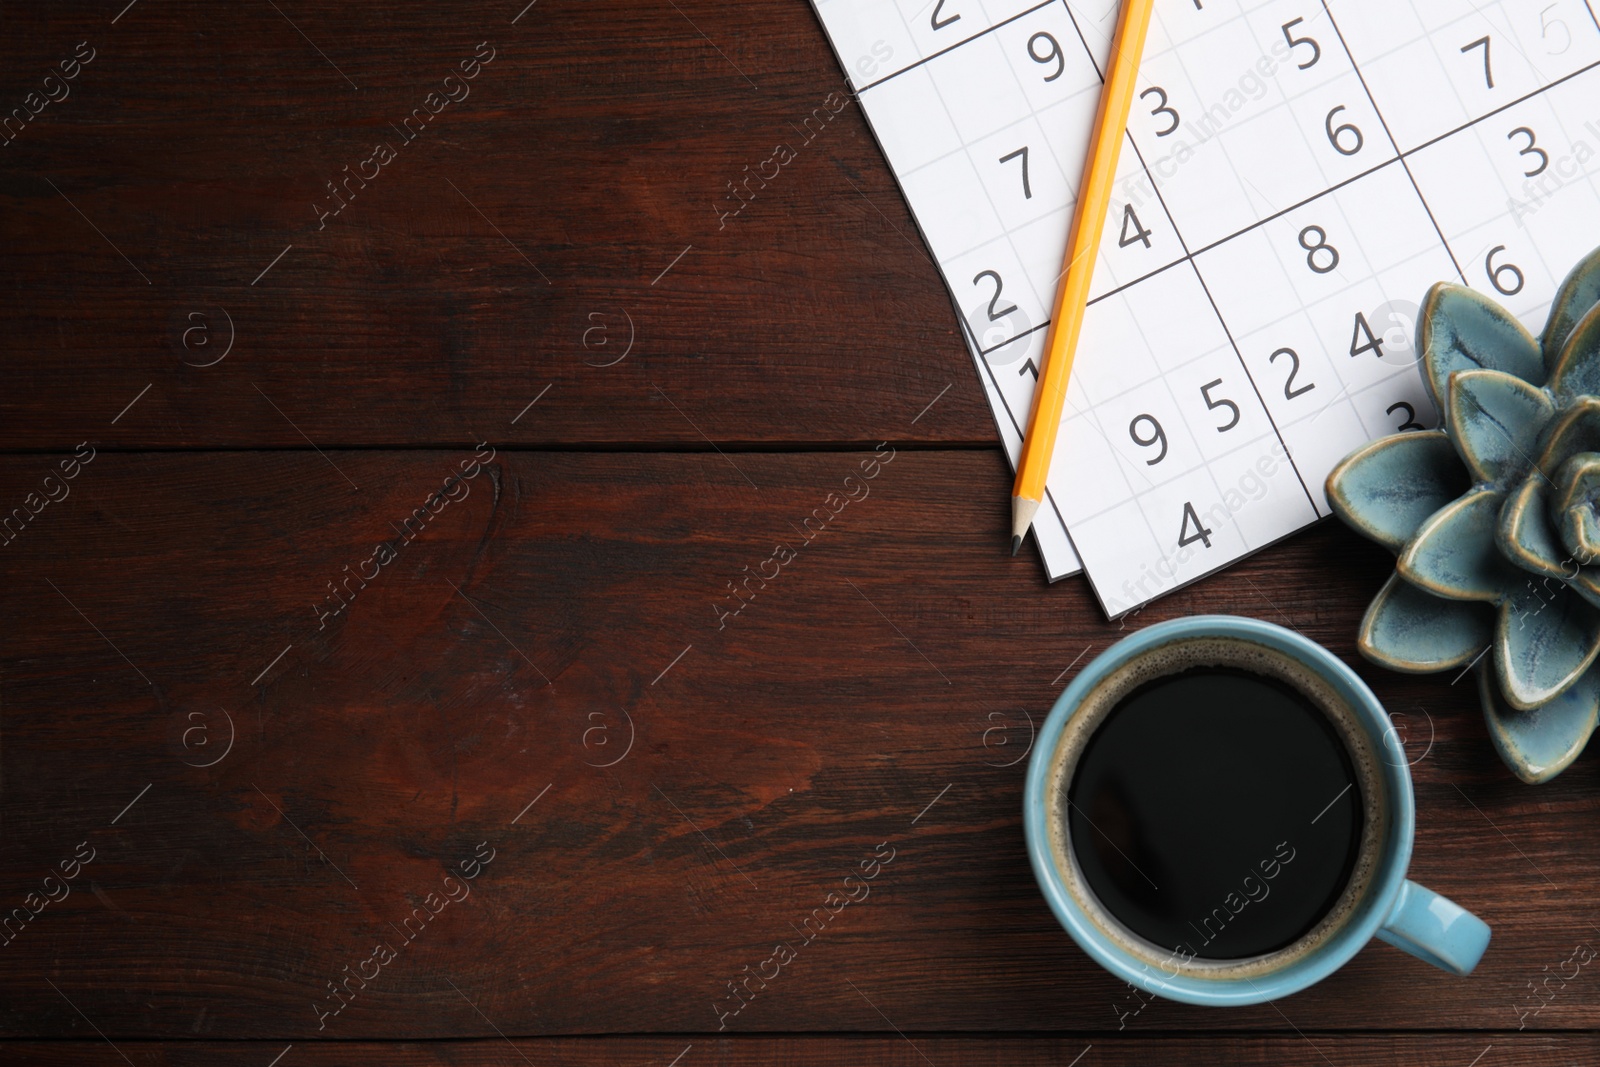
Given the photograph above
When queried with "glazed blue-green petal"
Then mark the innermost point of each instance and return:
(1526, 536)
(1576, 429)
(1586, 583)
(1572, 508)
(1538, 745)
(1494, 420)
(1454, 555)
(1579, 292)
(1406, 629)
(1577, 370)
(1460, 329)
(1545, 638)
(1386, 488)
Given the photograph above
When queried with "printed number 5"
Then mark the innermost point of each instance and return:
(1205, 391)
(1546, 22)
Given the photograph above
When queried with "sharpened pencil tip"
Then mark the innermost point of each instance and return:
(1016, 545)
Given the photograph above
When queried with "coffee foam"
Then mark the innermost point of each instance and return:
(1172, 658)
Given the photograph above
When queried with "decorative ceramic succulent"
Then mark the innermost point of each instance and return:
(1496, 519)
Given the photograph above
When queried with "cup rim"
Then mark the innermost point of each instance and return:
(1394, 855)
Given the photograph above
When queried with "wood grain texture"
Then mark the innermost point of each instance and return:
(864, 702)
(516, 243)
(913, 1050)
(257, 768)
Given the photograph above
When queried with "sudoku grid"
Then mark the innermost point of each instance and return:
(1297, 174)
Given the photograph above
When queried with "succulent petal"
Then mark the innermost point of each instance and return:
(1577, 369)
(1539, 744)
(1573, 506)
(1495, 419)
(1579, 292)
(1576, 429)
(1453, 554)
(1545, 638)
(1460, 329)
(1526, 535)
(1385, 489)
(1406, 629)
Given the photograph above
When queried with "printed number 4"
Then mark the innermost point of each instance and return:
(1133, 231)
(1201, 533)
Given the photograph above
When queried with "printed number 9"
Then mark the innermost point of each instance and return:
(1054, 54)
(1157, 436)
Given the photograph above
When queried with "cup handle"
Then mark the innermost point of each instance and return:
(1436, 929)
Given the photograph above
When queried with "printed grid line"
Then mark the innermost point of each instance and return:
(1351, 390)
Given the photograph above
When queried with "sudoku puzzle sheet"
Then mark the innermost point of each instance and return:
(1296, 175)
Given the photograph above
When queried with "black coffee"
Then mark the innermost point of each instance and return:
(1216, 812)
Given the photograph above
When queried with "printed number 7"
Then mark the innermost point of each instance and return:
(1488, 74)
(1027, 190)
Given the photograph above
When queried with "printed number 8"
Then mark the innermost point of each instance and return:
(1319, 245)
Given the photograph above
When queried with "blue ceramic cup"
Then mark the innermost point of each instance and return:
(1379, 900)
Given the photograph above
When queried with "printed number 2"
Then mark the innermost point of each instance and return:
(936, 22)
(1200, 533)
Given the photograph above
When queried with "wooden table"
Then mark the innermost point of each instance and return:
(520, 786)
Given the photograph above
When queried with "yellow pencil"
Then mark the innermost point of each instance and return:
(1088, 220)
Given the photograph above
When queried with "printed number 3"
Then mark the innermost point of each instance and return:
(1162, 109)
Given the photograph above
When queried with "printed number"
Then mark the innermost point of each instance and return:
(1162, 109)
(1200, 534)
(1316, 49)
(1531, 149)
(1140, 235)
(1409, 420)
(1336, 132)
(1289, 391)
(994, 315)
(1488, 74)
(1545, 22)
(935, 20)
(1053, 55)
(1027, 190)
(1158, 436)
(1027, 367)
(1373, 342)
(1319, 245)
(1511, 288)
(1205, 391)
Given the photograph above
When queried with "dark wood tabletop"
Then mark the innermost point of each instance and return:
(373, 690)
